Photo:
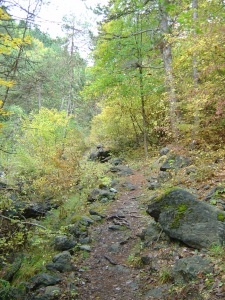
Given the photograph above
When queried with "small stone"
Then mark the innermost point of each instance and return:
(115, 227)
(145, 260)
(96, 218)
(52, 290)
(85, 248)
(113, 190)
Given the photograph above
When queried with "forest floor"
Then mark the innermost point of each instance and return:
(116, 268)
(109, 273)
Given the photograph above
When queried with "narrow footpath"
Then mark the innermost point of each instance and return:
(108, 274)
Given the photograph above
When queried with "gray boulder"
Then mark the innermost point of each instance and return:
(62, 243)
(129, 186)
(100, 154)
(99, 194)
(43, 280)
(117, 161)
(79, 229)
(14, 268)
(62, 263)
(164, 176)
(12, 293)
(150, 234)
(175, 162)
(187, 269)
(164, 151)
(189, 220)
(121, 170)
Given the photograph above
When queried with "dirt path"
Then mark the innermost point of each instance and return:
(107, 273)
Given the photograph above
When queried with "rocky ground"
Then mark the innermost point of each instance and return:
(128, 262)
(130, 256)
(108, 272)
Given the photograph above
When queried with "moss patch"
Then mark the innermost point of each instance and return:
(180, 211)
(220, 217)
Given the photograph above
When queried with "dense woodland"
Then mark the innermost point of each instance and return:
(155, 76)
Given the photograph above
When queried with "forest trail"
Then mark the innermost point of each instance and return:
(107, 274)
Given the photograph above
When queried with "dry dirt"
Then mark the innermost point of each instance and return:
(109, 274)
(112, 271)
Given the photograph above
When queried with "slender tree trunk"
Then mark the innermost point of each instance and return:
(195, 68)
(39, 96)
(144, 119)
(195, 18)
(139, 44)
(69, 103)
(168, 60)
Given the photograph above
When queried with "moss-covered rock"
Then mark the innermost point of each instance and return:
(185, 218)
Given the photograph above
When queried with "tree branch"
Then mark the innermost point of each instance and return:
(28, 223)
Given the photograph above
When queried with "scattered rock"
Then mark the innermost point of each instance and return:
(85, 248)
(100, 194)
(153, 186)
(100, 155)
(185, 218)
(115, 227)
(79, 230)
(52, 290)
(11, 271)
(96, 218)
(28, 209)
(187, 269)
(159, 292)
(62, 243)
(43, 280)
(215, 193)
(62, 262)
(164, 151)
(175, 162)
(149, 234)
(11, 293)
(114, 248)
(87, 220)
(145, 260)
(121, 170)
(117, 161)
(93, 213)
(129, 186)
(164, 176)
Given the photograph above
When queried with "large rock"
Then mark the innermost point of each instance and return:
(187, 269)
(28, 209)
(62, 263)
(62, 243)
(185, 218)
(79, 229)
(11, 271)
(43, 280)
(121, 170)
(99, 194)
(175, 162)
(12, 293)
(164, 151)
(100, 154)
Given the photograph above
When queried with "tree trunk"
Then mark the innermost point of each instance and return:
(195, 68)
(168, 60)
(39, 96)
(144, 119)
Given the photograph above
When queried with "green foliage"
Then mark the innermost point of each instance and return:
(165, 276)
(15, 236)
(48, 151)
(220, 217)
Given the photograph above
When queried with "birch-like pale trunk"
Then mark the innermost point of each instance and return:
(195, 68)
(168, 60)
